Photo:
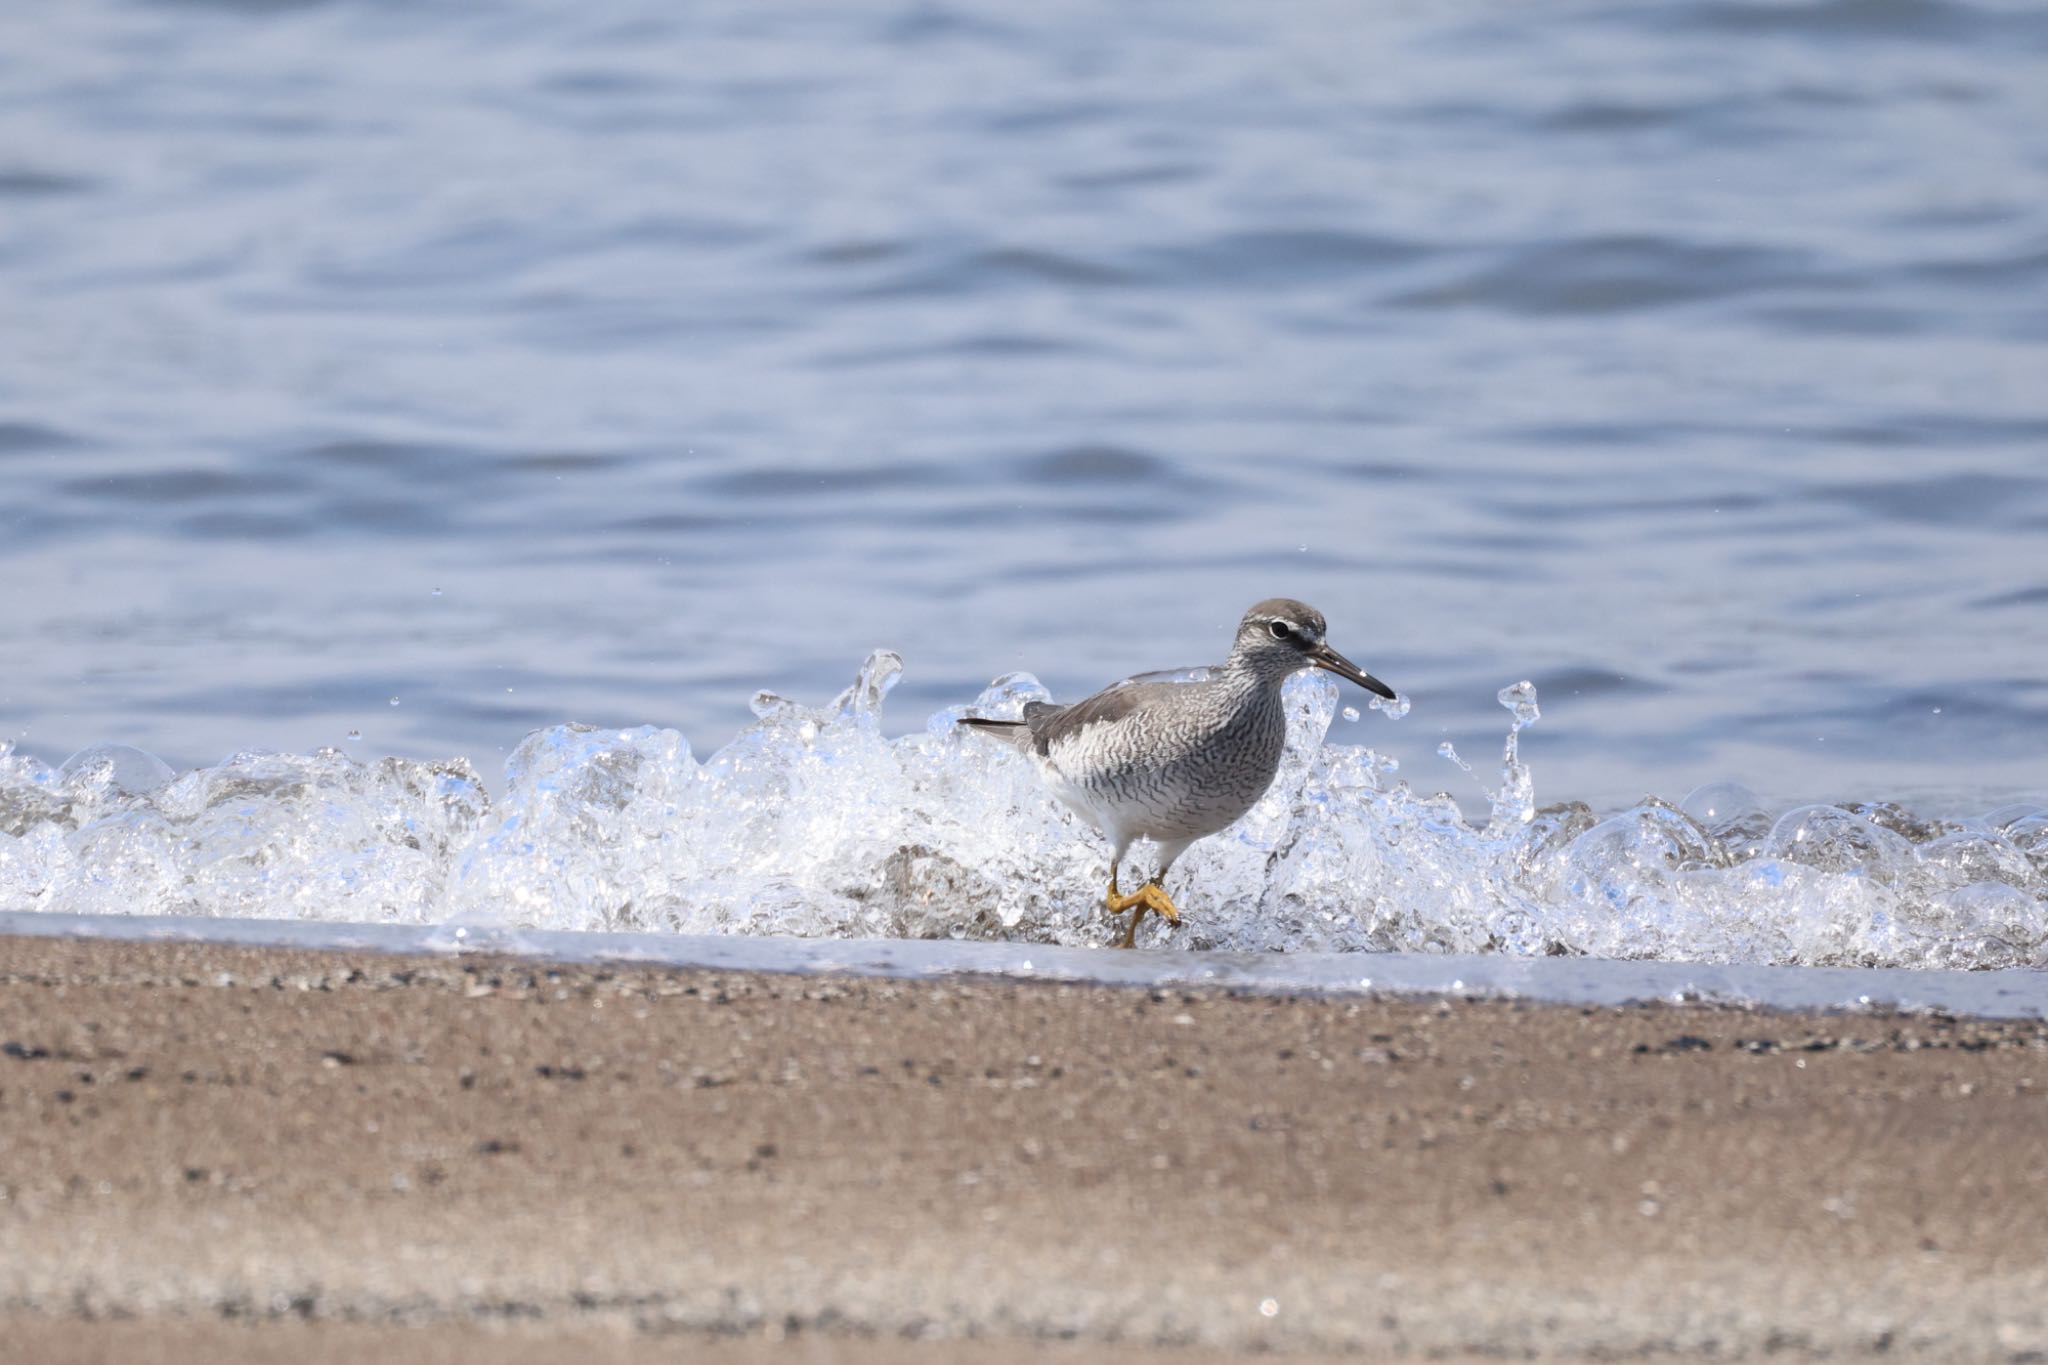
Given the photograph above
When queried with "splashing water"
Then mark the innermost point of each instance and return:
(1392, 709)
(811, 822)
(1515, 802)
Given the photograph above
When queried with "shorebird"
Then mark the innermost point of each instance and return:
(1173, 761)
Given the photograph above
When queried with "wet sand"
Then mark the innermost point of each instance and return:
(238, 1154)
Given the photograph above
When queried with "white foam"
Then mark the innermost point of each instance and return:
(813, 824)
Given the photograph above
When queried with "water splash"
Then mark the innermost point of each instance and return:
(1515, 802)
(812, 822)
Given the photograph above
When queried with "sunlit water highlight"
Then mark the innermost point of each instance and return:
(814, 823)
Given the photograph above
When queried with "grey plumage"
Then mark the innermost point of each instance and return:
(1175, 761)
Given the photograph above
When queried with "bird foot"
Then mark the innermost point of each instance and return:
(1151, 896)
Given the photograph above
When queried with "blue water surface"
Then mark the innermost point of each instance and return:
(403, 377)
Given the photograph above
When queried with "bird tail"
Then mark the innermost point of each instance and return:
(1014, 732)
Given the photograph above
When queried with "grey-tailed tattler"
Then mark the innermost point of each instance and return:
(1173, 761)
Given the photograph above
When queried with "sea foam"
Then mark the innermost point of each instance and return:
(814, 823)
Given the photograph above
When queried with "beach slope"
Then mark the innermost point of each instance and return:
(215, 1152)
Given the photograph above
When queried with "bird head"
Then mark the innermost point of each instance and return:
(1282, 636)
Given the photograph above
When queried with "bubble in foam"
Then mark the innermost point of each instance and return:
(119, 768)
(1838, 841)
(1975, 856)
(1730, 812)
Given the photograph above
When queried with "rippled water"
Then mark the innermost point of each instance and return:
(405, 378)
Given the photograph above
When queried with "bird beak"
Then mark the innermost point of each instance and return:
(1324, 657)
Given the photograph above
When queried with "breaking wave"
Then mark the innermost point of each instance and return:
(813, 823)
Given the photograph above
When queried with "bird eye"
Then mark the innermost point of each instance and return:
(1280, 630)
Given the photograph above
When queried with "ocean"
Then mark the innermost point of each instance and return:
(386, 387)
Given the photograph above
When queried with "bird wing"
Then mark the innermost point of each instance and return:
(1053, 725)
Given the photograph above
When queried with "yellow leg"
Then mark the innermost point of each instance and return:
(1151, 896)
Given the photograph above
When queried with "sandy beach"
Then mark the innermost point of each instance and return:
(236, 1154)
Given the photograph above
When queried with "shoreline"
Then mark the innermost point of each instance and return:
(296, 1146)
(2007, 993)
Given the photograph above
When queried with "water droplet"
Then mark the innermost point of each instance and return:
(1392, 710)
(394, 701)
(1521, 700)
(1937, 710)
(1349, 713)
(1269, 1308)
(435, 593)
(355, 734)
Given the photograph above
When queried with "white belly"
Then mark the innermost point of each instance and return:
(1136, 813)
